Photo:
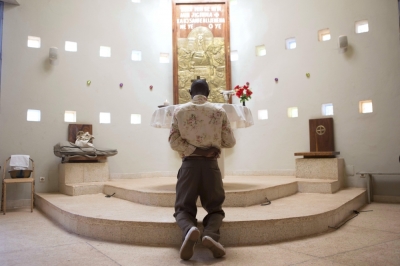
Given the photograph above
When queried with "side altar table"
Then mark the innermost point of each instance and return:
(239, 116)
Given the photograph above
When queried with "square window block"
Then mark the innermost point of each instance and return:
(33, 115)
(33, 42)
(293, 112)
(365, 107)
(164, 58)
(105, 118)
(290, 44)
(70, 116)
(327, 109)
(234, 55)
(324, 35)
(71, 46)
(136, 119)
(362, 26)
(262, 114)
(260, 50)
(136, 56)
(105, 51)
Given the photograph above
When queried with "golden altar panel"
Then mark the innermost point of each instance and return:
(201, 47)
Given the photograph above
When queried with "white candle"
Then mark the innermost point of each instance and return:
(166, 102)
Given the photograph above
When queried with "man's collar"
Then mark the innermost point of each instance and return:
(199, 99)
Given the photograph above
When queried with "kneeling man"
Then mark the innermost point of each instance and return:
(199, 130)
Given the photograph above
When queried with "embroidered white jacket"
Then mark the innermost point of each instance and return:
(200, 124)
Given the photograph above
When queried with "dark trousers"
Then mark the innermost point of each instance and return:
(200, 177)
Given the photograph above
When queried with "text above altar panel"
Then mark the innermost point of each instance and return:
(201, 47)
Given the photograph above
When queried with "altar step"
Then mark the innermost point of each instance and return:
(118, 220)
(240, 191)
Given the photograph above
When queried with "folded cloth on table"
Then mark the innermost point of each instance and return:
(19, 161)
(66, 149)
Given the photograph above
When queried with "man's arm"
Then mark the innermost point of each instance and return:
(179, 144)
(228, 139)
(176, 142)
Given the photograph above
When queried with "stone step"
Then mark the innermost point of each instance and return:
(240, 191)
(306, 185)
(114, 219)
(86, 188)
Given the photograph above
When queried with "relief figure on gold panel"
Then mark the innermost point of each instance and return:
(201, 55)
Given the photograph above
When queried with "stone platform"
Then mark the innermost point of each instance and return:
(141, 210)
(239, 191)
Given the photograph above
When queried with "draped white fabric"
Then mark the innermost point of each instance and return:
(239, 116)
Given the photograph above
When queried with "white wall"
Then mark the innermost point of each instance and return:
(369, 70)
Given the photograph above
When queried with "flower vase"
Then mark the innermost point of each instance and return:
(244, 103)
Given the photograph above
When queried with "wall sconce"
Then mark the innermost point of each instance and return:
(343, 43)
(53, 55)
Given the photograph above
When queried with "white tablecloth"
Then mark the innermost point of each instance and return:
(239, 116)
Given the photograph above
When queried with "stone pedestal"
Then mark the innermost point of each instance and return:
(314, 171)
(82, 178)
(320, 168)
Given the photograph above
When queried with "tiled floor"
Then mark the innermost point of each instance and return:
(372, 238)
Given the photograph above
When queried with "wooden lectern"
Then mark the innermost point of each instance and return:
(322, 144)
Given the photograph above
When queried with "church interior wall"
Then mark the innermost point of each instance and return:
(367, 71)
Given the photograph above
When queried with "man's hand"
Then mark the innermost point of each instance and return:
(210, 152)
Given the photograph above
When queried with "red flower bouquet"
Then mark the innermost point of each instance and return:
(243, 93)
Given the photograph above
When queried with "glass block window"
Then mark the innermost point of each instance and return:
(164, 58)
(105, 118)
(71, 46)
(33, 115)
(262, 114)
(260, 50)
(136, 119)
(362, 26)
(105, 51)
(291, 43)
(365, 107)
(293, 112)
(324, 35)
(136, 56)
(234, 55)
(327, 109)
(70, 116)
(33, 42)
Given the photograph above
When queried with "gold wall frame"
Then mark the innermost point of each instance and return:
(201, 47)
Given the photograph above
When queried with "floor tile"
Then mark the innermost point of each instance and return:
(25, 234)
(383, 254)
(347, 238)
(319, 262)
(32, 239)
(382, 207)
(75, 254)
(20, 214)
(378, 218)
(253, 255)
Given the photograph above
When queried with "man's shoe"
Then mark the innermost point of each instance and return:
(216, 248)
(187, 248)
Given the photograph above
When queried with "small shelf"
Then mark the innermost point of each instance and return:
(318, 154)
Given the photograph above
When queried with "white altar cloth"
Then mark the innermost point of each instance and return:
(239, 116)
